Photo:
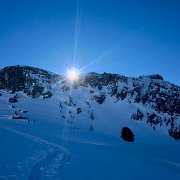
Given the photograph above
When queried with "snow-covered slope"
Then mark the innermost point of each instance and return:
(54, 129)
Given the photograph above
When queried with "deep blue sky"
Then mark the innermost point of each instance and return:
(128, 37)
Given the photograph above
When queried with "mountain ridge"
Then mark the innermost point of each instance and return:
(158, 101)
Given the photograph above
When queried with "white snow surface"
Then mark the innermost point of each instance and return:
(55, 142)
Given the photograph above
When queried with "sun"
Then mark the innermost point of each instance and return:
(73, 74)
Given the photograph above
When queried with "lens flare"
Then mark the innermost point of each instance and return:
(73, 74)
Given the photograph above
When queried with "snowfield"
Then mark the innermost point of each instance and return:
(53, 141)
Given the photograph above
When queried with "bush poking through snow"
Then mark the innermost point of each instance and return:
(69, 102)
(127, 134)
(60, 105)
(91, 128)
(79, 110)
(91, 116)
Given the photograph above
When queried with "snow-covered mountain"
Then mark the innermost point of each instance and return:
(48, 109)
(148, 100)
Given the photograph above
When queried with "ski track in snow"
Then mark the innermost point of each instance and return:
(56, 153)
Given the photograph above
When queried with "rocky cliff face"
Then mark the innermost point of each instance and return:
(32, 81)
(151, 91)
(160, 98)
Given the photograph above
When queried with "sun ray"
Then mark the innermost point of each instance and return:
(77, 31)
(73, 74)
(99, 57)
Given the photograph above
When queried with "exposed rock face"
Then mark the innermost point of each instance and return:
(150, 90)
(13, 100)
(153, 119)
(175, 133)
(32, 81)
(99, 80)
(154, 76)
(137, 116)
(36, 92)
(158, 101)
(122, 94)
(47, 94)
(100, 99)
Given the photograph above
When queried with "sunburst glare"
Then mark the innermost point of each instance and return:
(73, 74)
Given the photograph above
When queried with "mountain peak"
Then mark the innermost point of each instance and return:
(159, 99)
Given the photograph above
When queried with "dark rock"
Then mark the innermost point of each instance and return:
(175, 133)
(47, 94)
(16, 113)
(100, 86)
(127, 134)
(98, 80)
(13, 100)
(177, 106)
(92, 91)
(137, 116)
(100, 99)
(18, 117)
(36, 92)
(156, 76)
(145, 98)
(122, 94)
(26, 79)
(114, 91)
(153, 119)
(137, 99)
(79, 110)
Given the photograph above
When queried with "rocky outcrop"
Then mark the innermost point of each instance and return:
(100, 99)
(18, 117)
(127, 134)
(47, 94)
(138, 115)
(151, 91)
(159, 99)
(32, 81)
(13, 100)
(175, 133)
